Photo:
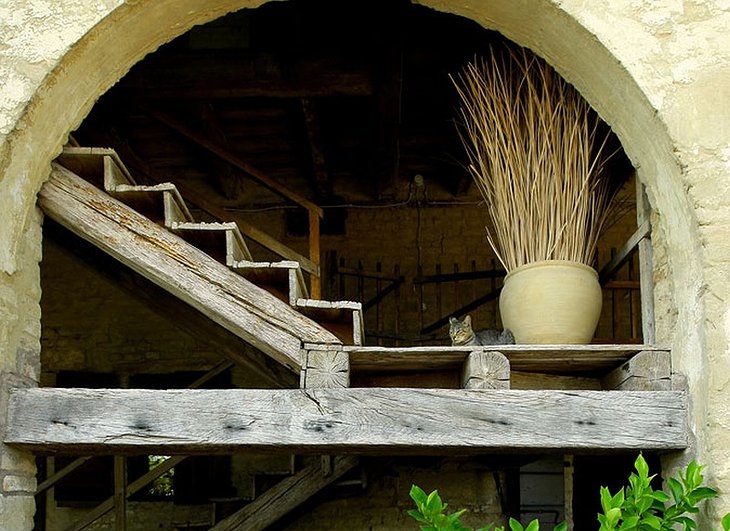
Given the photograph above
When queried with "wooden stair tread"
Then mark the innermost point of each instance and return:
(284, 276)
(88, 162)
(342, 318)
(333, 311)
(557, 359)
(222, 240)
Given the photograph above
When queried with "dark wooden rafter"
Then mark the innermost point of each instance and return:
(233, 159)
(228, 179)
(322, 181)
(628, 249)
(315, 212)
(343, 421)
(244, 75)
(473, 305)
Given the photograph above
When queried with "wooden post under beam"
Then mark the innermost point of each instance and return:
(646, 271)
(120, 493)
(315, 284)
(486, 370)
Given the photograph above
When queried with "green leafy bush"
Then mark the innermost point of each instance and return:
(637, 507)
(431, 510)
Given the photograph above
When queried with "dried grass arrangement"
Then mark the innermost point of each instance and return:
(536, 154)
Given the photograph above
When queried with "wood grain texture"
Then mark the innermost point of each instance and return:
(647, 371)
(327, 369)
(167, 260)
(485, 370)
(558, 359)
(285, 496)
(646, 266)
(343, 421)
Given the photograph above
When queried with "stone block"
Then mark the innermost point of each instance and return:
(14, 483)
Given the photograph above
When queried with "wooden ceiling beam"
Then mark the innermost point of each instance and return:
(374, 421)
(259, 75)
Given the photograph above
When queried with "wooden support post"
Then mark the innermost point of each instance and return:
(646, 371)
(568, 488)
(646, 274)
(326, 369)
(120, 493)
(315, 284)
(485, 370)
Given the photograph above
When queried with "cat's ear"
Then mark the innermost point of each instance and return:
(467, 320)
(453, 320)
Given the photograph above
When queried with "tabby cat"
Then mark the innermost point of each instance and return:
(462, 333)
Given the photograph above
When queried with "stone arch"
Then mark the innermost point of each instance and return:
(560, 32)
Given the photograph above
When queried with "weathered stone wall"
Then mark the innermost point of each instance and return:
(658, 72)
(19, 367)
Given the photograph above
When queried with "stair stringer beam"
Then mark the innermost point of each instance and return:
(180, 268)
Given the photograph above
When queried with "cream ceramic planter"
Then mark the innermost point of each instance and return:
(551, 303)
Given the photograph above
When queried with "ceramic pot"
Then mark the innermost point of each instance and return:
(554, 302)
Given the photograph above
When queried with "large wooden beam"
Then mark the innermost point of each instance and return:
(340, 421)
(170, 262)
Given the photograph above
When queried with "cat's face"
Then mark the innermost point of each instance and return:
(460, 331)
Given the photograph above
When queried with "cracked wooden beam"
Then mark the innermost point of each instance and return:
(373, 421)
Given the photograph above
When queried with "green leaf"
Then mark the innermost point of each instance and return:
(418, 495)
(533, 526)
(641, 467)
(651, 521)
(613, 516)
(562, 526)
(701, 493)
(514, 525)
(417, 516)
(726, 522)
(677, 490)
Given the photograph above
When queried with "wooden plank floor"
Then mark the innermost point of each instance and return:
(552, 359)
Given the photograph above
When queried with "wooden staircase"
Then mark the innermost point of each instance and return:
(352, 400)
(163, 204)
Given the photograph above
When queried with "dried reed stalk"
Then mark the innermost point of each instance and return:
(534, 153)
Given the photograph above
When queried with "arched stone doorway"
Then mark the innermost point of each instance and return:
(584, 51)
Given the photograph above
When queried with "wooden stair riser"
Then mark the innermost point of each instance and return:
(342, 318)
(222, 241)
(284, 279)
